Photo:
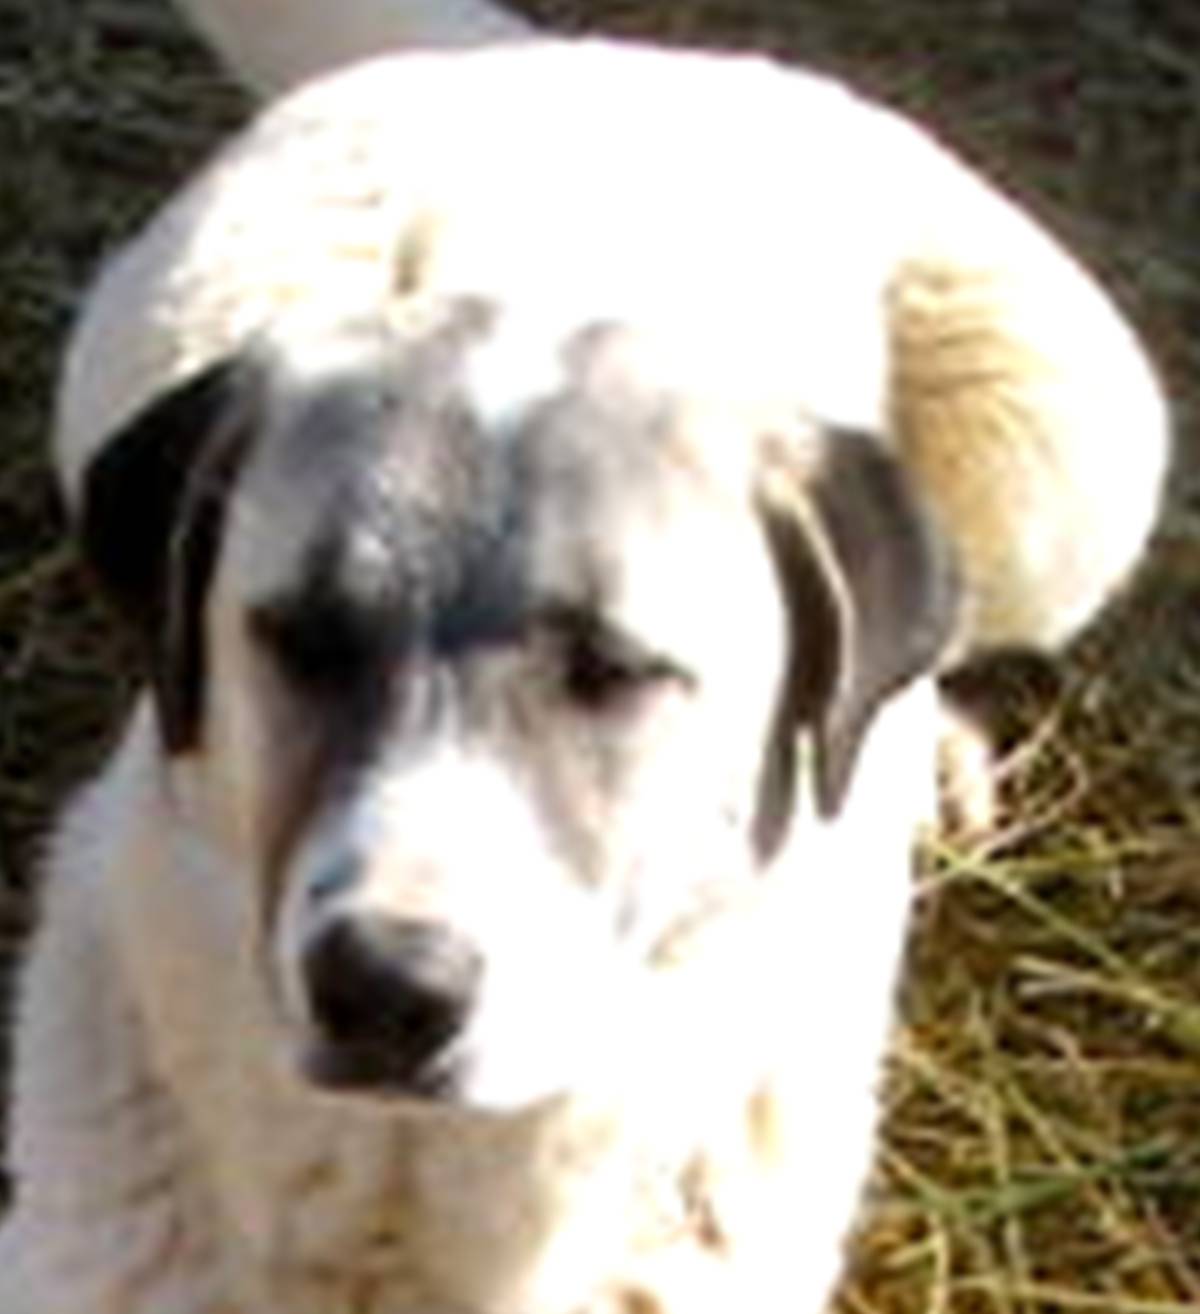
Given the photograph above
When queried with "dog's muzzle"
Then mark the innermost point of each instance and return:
(388, 999)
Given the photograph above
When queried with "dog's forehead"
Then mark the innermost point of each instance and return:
(394, 468)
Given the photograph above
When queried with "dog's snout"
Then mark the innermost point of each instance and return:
(387, 997)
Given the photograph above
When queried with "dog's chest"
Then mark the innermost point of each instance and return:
(434, 1217)
(404, 1220)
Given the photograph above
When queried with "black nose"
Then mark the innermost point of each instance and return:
(387, 998)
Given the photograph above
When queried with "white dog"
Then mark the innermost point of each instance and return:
(547, 480)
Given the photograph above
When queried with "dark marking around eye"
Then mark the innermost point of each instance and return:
(600, 667)
(321, 648)
(337, 630)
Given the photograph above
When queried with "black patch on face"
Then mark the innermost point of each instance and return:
(416, 559)
(431, 547)
(328, 642)
(153, 510)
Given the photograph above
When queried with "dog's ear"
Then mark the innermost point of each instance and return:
(150, 521)
(871, 596)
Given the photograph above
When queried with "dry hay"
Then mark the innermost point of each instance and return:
(1042, 1152)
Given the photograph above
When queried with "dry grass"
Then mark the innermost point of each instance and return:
(1043, 1146)
(1043, 1133)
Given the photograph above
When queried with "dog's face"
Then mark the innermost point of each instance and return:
(497, 711)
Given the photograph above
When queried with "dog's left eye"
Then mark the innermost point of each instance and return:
(601, 669)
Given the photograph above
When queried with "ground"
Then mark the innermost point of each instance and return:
(1042, 1146)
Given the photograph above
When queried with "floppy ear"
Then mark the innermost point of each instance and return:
(870, 591)
(150, 522)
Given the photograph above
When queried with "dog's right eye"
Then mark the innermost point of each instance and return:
(320, 649)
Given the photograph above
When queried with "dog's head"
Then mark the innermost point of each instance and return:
(489, 707)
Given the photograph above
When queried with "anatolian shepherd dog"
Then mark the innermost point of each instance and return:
(526, 472)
